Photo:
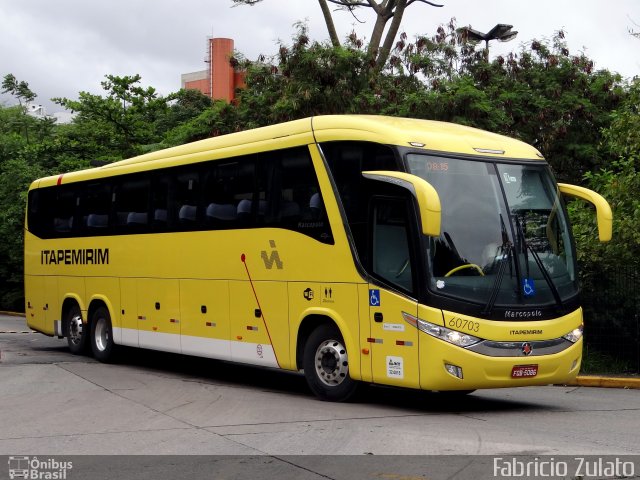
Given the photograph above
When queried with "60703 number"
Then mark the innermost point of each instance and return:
(464, 324)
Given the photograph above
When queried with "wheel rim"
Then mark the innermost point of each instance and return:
(101, 334)
(75, 329)
(332, 365)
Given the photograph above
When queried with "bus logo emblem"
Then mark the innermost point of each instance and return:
(274, 257)
(527, 349)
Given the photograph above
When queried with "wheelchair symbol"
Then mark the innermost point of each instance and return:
(374, 298)
(528, 287)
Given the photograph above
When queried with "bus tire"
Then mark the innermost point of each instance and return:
(77, 332)
(102, 335)
(326, 365)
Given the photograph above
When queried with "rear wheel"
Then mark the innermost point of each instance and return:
(102, 335)
(326, 365)
(77, 332)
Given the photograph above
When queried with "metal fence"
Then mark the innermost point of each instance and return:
(611, 302)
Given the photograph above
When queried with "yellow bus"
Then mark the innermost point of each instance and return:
(354, 248)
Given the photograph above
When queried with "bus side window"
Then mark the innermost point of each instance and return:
(185, 200)
(160, 187)
(131, 199)
(220, 212)
(390, 249)
(347, 161)
(288, 188)
(231, 195)
(96, 207)
(64, 210)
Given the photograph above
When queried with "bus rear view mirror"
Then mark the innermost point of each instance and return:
(604, 215)
(424, 193)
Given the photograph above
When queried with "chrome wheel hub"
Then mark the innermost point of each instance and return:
(101, 334)
(331, 363)
(76, 328)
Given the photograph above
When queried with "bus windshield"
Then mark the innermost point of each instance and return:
(504, 239)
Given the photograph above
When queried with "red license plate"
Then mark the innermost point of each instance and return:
(524, 371)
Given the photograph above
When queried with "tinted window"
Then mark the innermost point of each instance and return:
(347, 161)
(160, 188)
(95, 205)
(390, 249)
(131, 200)
(276, 189)
(291, 196)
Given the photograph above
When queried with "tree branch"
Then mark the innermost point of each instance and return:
(383, 55)
(350, 4)
(328, 20)
(424, 1)
(376, 7)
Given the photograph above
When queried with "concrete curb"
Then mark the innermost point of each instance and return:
(606, 382)
(12, 314)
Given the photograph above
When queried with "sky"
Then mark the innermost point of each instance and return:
(63, 47)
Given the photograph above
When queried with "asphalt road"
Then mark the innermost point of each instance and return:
(55, 403)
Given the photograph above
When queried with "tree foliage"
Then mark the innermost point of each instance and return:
(123, 120)
(619, 182)
(127, 120)
(380, 44)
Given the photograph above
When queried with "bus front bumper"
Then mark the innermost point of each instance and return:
(448, 367)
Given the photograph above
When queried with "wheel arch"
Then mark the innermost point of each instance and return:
(96, 302)
(313, 319)
(69, 301)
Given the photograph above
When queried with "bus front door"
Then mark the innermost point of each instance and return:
(393, 342)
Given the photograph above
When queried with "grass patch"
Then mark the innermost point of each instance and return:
(598, 363)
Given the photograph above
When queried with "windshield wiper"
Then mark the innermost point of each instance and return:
(545, 274)
(507, 252)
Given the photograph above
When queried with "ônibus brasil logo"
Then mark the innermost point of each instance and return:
(35, 468)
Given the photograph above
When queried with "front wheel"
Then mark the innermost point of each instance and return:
(77, 332)
(326, 365)
(102, 335)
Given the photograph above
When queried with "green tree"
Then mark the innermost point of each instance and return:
(385, 11)
(18, 168)
(121, 123)
(541, 94)
(21, 91)
(309, 78)
(619, 183)
(184, 106)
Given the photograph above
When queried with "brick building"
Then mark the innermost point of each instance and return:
(220, 80)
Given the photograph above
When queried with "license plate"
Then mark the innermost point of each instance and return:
(524, 371)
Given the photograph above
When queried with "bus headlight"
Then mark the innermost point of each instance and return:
(574, 335)
(448, 335)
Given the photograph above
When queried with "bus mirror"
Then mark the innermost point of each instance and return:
(603, 210)
(424, 193)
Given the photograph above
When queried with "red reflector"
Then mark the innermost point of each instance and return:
(399, 342)
(524, 371)
(208, 324)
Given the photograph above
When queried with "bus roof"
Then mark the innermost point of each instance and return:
(429, 135)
